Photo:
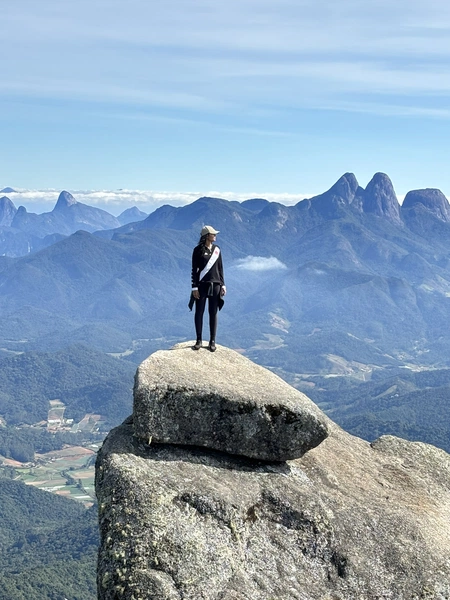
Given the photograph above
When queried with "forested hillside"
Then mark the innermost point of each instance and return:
(48, 545)
(85, 380)
(411, 405)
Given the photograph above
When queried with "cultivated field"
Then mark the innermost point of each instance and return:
(68, 472)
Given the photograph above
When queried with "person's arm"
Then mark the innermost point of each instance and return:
(195, 273)
(223, 289)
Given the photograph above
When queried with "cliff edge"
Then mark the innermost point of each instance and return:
(345, 520)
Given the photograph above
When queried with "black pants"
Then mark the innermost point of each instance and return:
(213, 305)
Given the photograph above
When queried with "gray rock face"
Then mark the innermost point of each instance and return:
(432, 199)
(7, 211)
(347, 521)
(225, 402)
(331, 203)
(65, 199)
(380, 198)
(345, 187)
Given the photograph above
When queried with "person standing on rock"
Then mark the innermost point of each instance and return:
(207, 284)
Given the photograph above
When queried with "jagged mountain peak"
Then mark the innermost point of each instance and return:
(5, 201)
(380, 198)
(65, 200)
(7, 211)
(380, 179)
(345, 187)
(381, 185)
(340, 195)
(431, 198)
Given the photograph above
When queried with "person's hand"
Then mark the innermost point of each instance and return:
(196, 294)
(223, 290)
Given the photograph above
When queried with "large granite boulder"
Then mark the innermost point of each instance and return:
(347, 521)
(225, 402)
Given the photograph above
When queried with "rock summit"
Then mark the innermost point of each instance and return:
(223, 401)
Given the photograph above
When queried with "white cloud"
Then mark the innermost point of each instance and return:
(260, 263)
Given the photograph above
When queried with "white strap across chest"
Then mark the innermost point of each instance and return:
(210, 263)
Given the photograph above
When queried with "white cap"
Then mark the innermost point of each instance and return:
(208, 229)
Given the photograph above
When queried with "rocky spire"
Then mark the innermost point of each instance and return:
(340, 195)
(345, 187)
(380, 198)
(432, 199)
(64, 201)
(7, 211)
(20, 217)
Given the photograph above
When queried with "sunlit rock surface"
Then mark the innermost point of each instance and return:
(223, 401)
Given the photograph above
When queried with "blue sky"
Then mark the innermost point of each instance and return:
(184, 98)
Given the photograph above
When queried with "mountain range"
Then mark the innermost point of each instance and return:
(348, 283)
(350, 266)
(22, 232)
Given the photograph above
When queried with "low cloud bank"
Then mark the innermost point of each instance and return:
(260, 263)
(116, 201)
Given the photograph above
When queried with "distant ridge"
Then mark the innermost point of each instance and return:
(421, 211)
(67, 217)
(131, 215)
(255, 204)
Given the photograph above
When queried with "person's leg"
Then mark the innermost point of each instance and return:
(213, 307)
(198, 319)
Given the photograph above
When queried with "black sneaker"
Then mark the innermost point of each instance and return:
(212, 346)
(198, 345)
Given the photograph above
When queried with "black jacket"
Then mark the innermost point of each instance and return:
(200, 257)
